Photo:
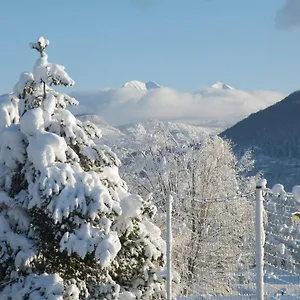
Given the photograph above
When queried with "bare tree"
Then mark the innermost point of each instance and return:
(210, 235)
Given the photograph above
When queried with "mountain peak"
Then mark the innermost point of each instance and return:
(152, 85)
(141, 86)
(222, 86)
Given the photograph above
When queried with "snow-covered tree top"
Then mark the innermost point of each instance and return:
(34, 87)
(40, 45)
(49, 73)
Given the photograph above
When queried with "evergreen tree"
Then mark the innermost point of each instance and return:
(69, 229)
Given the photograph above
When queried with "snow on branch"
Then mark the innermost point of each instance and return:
(40, 45)
(69, 228)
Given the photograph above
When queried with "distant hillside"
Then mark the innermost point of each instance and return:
(274, 131)
(182, 133)
(141, 133)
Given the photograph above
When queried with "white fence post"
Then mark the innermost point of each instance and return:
(169, 247)
(259, 229)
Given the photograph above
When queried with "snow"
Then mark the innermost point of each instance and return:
(40, 72)
(262, 183)
(58, 182)
(127, 296)
(153, 248)
(12, 152)
(19, 218)
(41, 44)
(37, 287)
(151, 85)
(296, 192)
(278, 190)
(136, 134)
(32, 122)
(46, 148)
(8, 110)
(222, 86)
(23, 249)
(59, 76)
(5, 199)
(141, 86)
(49, 105)
(50, 73)
(108, 248)
(131, 206)
(25, 81)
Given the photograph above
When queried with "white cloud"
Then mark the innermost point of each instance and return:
(125, 105)
(289, 15)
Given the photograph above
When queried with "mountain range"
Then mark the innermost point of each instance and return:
(137, 101)
(132, 134)
(149, 85)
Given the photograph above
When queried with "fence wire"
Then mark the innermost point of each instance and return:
(282, 240)
(214, 248)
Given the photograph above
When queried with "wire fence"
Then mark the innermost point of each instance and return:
(282, 240)
(213, 248)
(217, 245)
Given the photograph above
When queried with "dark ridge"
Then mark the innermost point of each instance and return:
(275, 131)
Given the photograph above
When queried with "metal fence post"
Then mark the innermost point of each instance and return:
(169, 247)
(259, 230)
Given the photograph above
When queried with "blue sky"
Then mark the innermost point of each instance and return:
(184, 44)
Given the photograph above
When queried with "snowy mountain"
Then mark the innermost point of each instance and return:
(181, 132)
(222, 86)
(139, 134)
(138, 101)
(106, 129)
(141, 86)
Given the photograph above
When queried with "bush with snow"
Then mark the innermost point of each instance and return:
(69, 229)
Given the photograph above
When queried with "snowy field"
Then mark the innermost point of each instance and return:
(236, 298)
(273, 290)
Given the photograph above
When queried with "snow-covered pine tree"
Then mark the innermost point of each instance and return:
(69, 229)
